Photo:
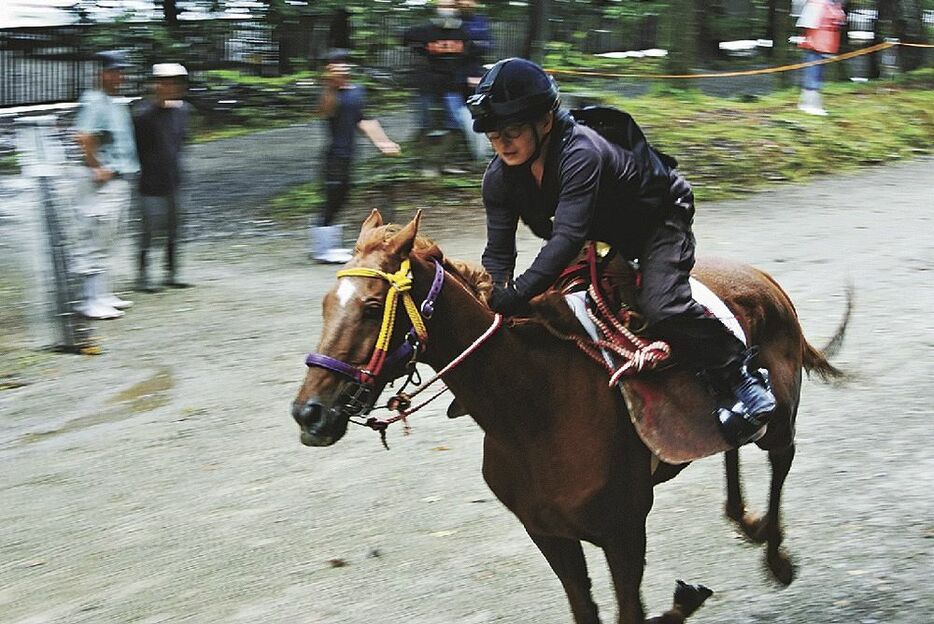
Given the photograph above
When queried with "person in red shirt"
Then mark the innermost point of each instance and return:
(821, 21)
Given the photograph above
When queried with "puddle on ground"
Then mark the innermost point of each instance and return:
(145, 396)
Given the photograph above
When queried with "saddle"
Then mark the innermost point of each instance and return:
(672, 409)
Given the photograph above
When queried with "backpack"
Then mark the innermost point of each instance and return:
(620, 128)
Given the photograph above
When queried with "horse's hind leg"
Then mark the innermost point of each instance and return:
(752, 525)
(778, 562)
(766, 528)
(566, 558)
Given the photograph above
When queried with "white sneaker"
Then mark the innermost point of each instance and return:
(115, 302)
(96, 309)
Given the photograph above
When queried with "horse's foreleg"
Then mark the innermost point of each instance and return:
(566, 558)
(779, 563)
(626, 558)
(752, 526)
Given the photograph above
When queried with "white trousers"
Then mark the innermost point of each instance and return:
(100, 213)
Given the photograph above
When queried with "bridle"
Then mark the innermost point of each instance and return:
(367, 382)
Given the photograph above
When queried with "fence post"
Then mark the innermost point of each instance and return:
(56, 287)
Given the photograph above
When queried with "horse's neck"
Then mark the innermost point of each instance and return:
(459, 319)
(483, 377)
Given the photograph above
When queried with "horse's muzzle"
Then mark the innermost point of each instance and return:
(320, 425)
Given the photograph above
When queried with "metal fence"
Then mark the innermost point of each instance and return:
(41, 65)
(56, 64)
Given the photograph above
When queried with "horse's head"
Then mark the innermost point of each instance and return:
(362, 347)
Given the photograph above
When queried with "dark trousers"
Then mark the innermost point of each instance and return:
(159, 214)
(336, 187)
(697, 340)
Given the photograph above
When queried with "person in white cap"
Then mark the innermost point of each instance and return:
(104, 131)
(161, 126)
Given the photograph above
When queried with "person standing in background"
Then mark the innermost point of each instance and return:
(443, 46)
(104, 131)
(161, 126)
(477, 27)
(342, 106)
(821, 21)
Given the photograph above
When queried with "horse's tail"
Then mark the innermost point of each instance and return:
(816, 360)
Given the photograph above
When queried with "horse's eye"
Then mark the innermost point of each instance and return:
(373, 310)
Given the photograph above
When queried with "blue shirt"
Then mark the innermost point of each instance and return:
(342, 123)
(109, 120)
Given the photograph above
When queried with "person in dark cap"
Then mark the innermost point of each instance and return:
(161, 125)
(105, 135)
(342, 106)
(570, 184)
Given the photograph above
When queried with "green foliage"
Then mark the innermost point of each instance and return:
(727, 148)
(9, 164)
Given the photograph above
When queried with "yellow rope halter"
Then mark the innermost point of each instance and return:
(400, 283)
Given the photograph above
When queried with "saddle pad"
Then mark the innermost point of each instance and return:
(707, 298)
(670, 409)
(716, 308)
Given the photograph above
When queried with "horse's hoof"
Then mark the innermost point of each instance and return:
(689, 598)
(754, 527)
(781, 567)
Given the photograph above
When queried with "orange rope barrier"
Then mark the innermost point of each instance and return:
(751, 72)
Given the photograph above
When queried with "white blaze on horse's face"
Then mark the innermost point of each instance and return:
(345, 292)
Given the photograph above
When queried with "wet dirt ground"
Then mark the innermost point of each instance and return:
(163, 481)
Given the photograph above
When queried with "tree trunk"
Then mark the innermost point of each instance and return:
(682, 38)
(909, 28)
(778, 30)
(170, 11)
(539, 31)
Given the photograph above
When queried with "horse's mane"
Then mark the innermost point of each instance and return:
(473, 276)
(550, 308)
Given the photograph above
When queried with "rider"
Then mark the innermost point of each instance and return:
(569, 185)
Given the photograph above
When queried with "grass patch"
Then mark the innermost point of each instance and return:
(726, 148)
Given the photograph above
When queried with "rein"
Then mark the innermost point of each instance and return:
(365, 379)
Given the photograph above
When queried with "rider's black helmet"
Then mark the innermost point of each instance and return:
(514, 90)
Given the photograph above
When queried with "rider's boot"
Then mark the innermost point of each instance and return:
(745, 421)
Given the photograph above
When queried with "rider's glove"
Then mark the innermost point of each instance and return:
(507, 300)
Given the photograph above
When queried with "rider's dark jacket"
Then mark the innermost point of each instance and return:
(591, 190)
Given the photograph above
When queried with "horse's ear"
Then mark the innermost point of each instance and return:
(401, 244)
(372, 222)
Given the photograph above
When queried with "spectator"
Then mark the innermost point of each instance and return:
(105, 135)
(443, 44)
(342, 105)
(477, 27)
(161, 126)
(821, 21)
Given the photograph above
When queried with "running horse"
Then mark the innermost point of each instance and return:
(559, 449)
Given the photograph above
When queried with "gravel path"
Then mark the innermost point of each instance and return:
(164, 482)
